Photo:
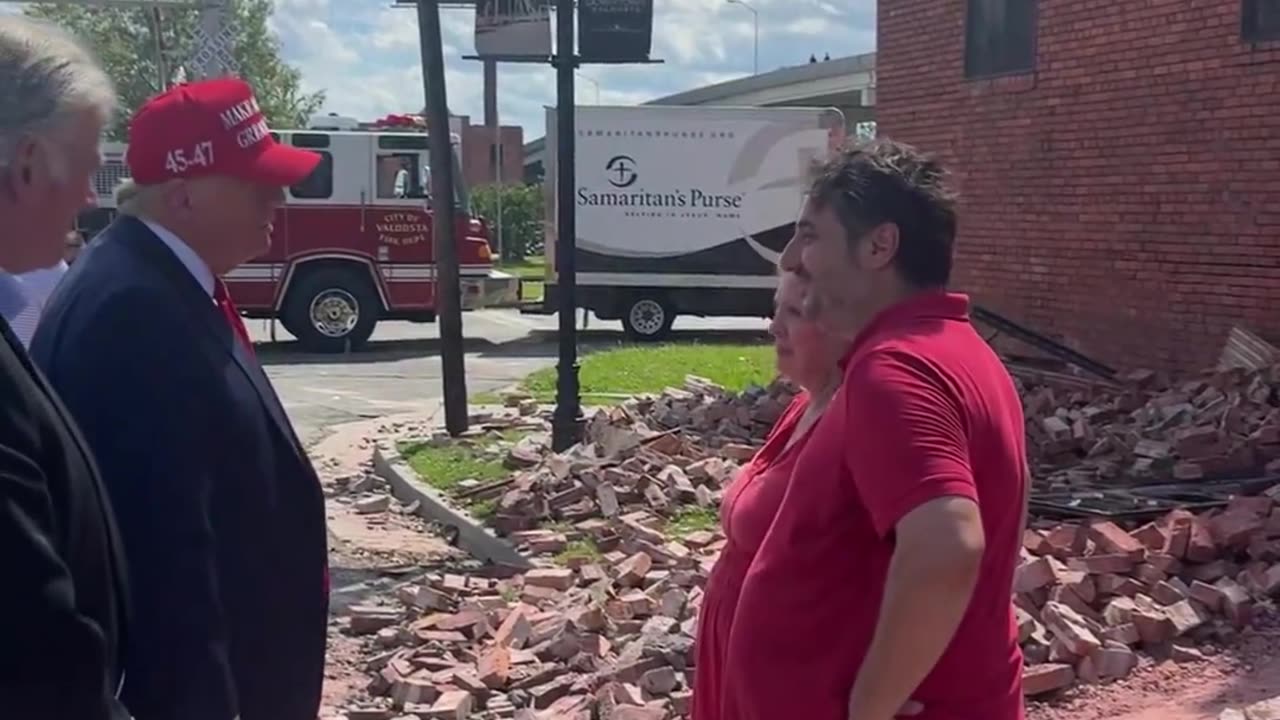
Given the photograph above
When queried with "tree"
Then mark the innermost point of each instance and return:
(521, 217)
(143, 48)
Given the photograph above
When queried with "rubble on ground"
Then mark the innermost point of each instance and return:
(606, 623)
(652, 452)
(1261, 710)
(1221, 423)
(604, 626)
(1090, 596)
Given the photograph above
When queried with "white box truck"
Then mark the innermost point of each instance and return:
(682, 210)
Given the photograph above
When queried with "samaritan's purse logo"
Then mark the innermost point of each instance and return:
(621, 171)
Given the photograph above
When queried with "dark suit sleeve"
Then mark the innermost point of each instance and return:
(52, 657)
(128, 378)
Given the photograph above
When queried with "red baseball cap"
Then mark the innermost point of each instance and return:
(211, 127)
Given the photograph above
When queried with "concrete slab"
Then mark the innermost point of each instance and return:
(472, 536)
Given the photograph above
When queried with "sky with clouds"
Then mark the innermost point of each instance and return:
(364, 54)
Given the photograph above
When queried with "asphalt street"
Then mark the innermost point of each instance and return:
(399, 370)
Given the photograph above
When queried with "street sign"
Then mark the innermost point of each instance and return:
(615, 30)
(507, 28)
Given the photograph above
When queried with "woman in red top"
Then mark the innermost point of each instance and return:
(809, 357)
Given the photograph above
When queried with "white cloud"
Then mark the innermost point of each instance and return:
(365, 54)
(806, 26)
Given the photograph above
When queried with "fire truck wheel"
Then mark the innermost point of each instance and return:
(331, 309)
(647, 318)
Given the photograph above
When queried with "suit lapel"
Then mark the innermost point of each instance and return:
(202, 307)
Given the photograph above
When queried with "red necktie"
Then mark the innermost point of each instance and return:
(228, 309)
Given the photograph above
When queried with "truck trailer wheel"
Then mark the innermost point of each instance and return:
(647, 318)
(331, 309)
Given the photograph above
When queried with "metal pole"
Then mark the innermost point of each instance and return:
(448, 294)
(212, 19)
(495, 146)
(755, 24)
(162, 67)
(755, 43)
(497, 177)
(566, 425)
(595, 84)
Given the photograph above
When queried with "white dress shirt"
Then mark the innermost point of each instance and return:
(22, 297)
(188, 257)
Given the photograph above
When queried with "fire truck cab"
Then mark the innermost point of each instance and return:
(352, 244)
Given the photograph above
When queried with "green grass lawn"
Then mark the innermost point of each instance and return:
(649, 369)
(579, 550)
(608, 376)
(443, 467)
(530, 269)
(691, 519)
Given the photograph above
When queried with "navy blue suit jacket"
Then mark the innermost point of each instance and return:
(221, 513)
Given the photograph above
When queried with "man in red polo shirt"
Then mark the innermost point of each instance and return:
(884, 582)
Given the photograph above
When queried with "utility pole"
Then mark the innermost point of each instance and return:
(613, 32)
(495, 145)
(755, 24)
(443, 212)
(566, 424)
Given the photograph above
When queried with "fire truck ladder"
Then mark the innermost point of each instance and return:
(211, 55)
(1044, 344)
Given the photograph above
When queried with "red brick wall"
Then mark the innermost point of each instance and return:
(1126, 195)
(477, 164)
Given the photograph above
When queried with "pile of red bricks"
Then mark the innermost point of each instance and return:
(604, 626)
(653, 452)
(1089, 596)
(610, 635)
(1220, 423)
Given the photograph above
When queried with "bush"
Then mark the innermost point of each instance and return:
(521, 218)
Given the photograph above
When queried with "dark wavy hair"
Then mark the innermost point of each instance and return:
(881, 181)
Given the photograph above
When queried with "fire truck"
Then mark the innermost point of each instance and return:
(352, 244)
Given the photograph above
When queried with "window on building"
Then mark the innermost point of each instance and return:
(1260, 20)
(319, 184)
(496, 158)
(1000, 37)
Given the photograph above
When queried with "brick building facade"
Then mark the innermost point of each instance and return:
(478, 150)
(1118, 162)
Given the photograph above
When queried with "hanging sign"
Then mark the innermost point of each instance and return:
(513, 28)
(615, 30)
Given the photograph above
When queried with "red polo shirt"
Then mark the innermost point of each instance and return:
(927, 410)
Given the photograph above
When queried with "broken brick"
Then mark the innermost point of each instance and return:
(1111, 539)
(553, 578)
(1041, 679)
(452, 704)
(494, 667)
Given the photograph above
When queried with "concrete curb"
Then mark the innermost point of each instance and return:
(473, 537)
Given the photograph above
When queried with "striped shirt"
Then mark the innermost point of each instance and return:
(12, 300)
(36, 287)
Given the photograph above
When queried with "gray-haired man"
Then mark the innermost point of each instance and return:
(62, 610)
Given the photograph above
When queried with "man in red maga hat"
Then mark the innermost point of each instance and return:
(220, 509)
